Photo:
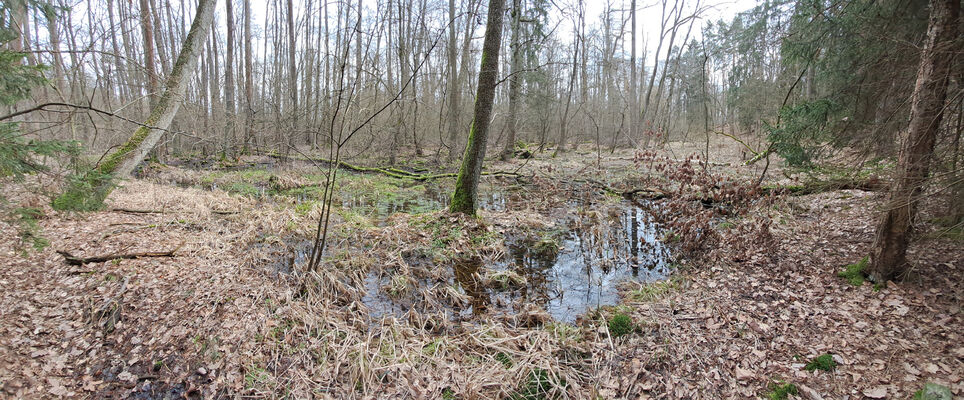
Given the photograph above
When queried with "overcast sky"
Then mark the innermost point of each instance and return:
(647, 17)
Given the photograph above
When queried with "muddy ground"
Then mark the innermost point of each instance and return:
(413, 302)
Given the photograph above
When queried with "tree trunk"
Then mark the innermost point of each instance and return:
(465, 198)
(121, 162)
(514, 82)
(292, 71)
(453, 88)
(229, 80)
(248, 77)
(888, 254)
(148, 32)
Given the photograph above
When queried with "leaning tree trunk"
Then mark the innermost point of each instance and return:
(888, 255)
(465, 198)
(121, 162)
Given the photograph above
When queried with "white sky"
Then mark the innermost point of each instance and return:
(647, 15)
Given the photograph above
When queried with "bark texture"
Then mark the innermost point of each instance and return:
(465, 199)
(888, 255)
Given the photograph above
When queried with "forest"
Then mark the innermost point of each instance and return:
(467, 199)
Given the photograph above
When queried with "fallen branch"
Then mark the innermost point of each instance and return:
(74, 260)
(753, 151)
(148, 211)
(387, 171)
(137, 210)
(649, 193)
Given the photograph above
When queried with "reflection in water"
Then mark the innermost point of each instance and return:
(567, 274)
(585, 272)
(467, 276)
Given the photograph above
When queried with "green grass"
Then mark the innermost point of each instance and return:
(855, 273)
(824, 363)
(504, 359)
(537, 386)
(620, 324)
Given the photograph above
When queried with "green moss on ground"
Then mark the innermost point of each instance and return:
(855, 273)
(620, 324)
(781, 391)
(824, 363)
(933, 391)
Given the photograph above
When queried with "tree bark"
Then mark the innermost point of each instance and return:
(248, 77)
(888, 254)
(229, 79)
(453, 88)
(514, 82)
(465, 199)
(147, 31)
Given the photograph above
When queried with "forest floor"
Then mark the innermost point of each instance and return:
(412, 302)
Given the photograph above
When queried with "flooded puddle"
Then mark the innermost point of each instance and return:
(567, 273)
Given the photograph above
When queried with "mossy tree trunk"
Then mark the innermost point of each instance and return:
(888, 254)
(122, 162)
(465, 198)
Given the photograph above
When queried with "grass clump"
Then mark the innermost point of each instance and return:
(620, 324)
(655, 290)
(854, 273)
(539, 385)
(780, 391)
(504, 359)
(824, 363)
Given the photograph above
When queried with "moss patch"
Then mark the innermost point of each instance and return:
(933, 391)
(780, 391)
(824, 363)
(855, 273)
(620, 324)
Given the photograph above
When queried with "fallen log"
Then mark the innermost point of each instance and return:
(387, 171)
(74, 260)
(148, 211)
(816, 186)
(648, 193)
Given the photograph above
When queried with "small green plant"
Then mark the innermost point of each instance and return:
(933, 391)
(158, 364)
(504, 359)
(255, 377)
(620, 324)
(854, 273)
(448, 394)
(824, 363)
(780, 391)
(538, 386)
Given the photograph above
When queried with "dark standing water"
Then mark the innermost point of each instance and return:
(591, 264)
(575, 271)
